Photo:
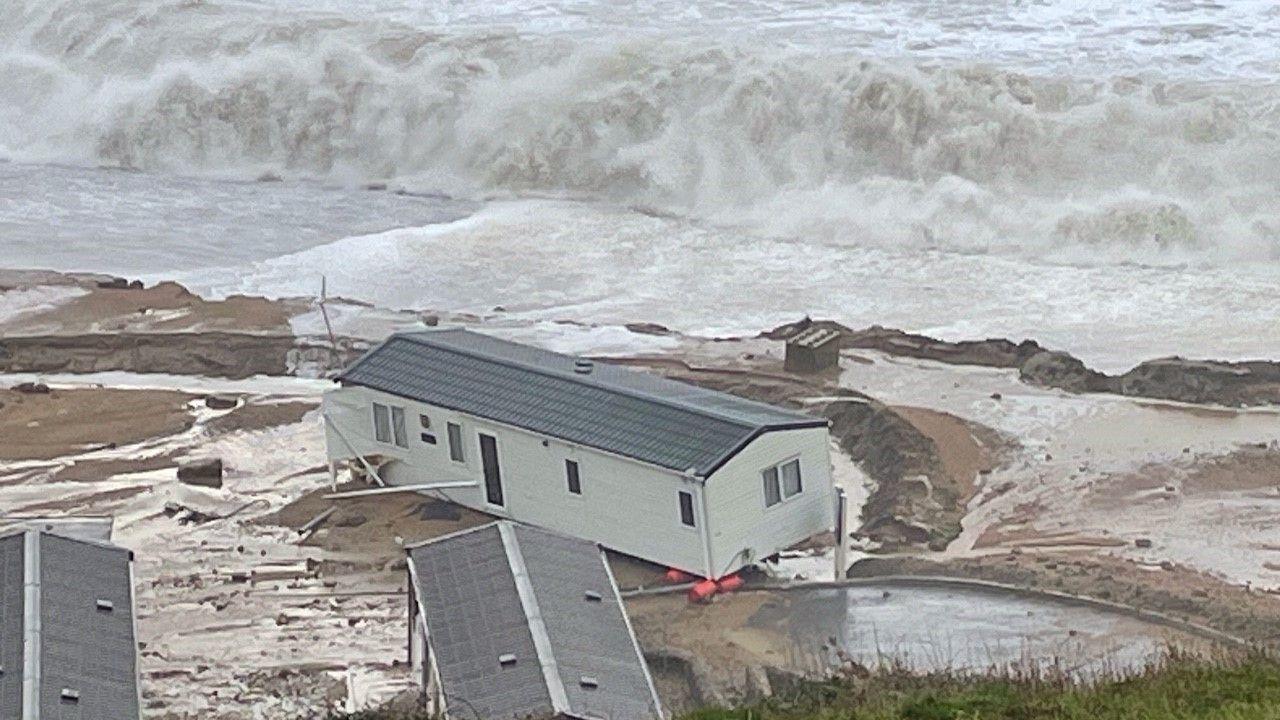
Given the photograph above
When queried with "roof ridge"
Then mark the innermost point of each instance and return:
(542, 644)
(573, 377)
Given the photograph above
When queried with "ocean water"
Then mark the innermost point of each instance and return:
(1102, 176)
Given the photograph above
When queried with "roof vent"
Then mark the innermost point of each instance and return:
(589, 682)
(583, 366)
(69, 695)
(593, 596)
(507, 659)
(106, 605)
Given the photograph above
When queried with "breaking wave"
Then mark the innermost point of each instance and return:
(833, 146)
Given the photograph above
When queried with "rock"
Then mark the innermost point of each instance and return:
(31, 388)
(221, 402)
(1167, 565)
(1142, 542)
(136, 285)
(648, 328)
(996, 396)
(282, 619)
(896, 530)
(375, 186)
(205, 473)
(1196, 381)
(1062, 371)
(115, 283)
(992, 352)
(269, 176)
(350, 521)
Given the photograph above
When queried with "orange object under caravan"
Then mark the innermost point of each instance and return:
(729, 583)
(676, 577)
(702, 591)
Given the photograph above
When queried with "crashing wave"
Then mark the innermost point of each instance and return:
(959, 156)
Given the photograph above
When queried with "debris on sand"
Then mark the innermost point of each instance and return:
(205, 473)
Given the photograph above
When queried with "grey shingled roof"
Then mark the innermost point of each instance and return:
(85, 647)
(670, 424)
(473, 589)
(11, 604)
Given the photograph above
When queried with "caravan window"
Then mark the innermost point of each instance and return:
(772, 491)
(781, 482)
(381, 423)
(455, 442)
(398, 431)
(791, 478)
(575, 480)
(686, 509)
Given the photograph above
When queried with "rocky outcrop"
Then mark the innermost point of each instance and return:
(993, 352)
(214, 354)
(1193, 381)
(1060, 370)
(901, 460)
(1202, 381)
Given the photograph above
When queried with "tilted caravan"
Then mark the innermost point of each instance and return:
(679, 475)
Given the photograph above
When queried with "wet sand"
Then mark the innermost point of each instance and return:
(41, 426)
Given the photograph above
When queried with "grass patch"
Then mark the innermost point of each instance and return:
(1179, 687)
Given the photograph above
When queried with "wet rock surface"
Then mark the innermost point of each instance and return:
(1179, 379)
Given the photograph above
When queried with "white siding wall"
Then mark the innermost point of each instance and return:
(625, 505)
(735, 498)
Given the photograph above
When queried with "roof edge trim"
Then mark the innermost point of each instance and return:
(720, 461)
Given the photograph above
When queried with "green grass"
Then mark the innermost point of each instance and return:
(1180, 687)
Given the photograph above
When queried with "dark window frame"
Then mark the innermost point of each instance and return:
(573, 475)
(687, 516)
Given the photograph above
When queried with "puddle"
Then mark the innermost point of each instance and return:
(962, 629)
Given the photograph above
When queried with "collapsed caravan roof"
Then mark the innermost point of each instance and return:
(524, 622)
(67, 639)
(634, 414)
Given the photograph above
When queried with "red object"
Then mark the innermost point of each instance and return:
(729, 583)
(702, 591)
(676, 577)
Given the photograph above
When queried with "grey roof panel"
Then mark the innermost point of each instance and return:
(11, 607)
(589, 638)
(633, 414)
(468, 591)
(84, 648)
(473, 611)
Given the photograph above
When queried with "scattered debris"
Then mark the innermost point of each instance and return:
(221, 402)
(205, 473)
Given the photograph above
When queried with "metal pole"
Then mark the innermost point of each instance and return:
(842, 540)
